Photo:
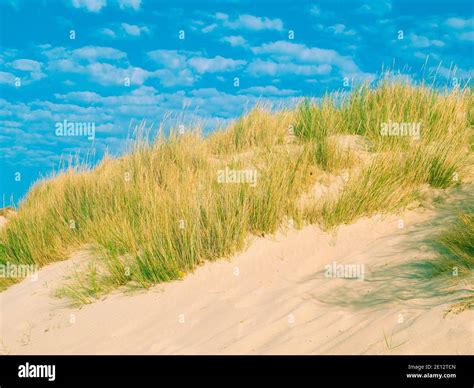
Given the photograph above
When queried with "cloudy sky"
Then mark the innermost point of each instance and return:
(116, 62)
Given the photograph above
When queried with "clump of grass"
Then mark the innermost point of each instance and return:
(312, 127)
(363, 112)
(102, 274)
(388, 183)
(259, 128)
(393, 177)
(378, 187)
(85, 287)
(458, 244)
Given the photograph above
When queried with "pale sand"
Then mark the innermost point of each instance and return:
(266, 300)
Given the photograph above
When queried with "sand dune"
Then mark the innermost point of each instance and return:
(271, 299)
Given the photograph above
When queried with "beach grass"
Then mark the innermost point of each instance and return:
(458, 243)
(171, 203)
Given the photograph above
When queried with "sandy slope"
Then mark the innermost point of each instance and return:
(266, 300)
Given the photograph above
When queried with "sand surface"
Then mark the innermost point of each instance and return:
(274, 298)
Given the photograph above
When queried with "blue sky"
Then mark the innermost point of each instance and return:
(115, 62)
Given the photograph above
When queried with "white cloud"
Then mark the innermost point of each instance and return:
(465, 28)
(249, 22)
(235, 40)
(340, 29)
(102, 73)
(7, 78)
(260, 67)
(124, 30)
(108, 32)
(89, 97)
(168, 58)
(420, 41)
(90, 62)
(467, 36)
(169, 78)
(255, 23)
(26, 65)
(221, 16)
(134, 4)
(174, 71)
(90, 5)
(34, 68)
(107, 74)
(97, 5)
(209, 28)
(51, 52)
(269, 90)
(63, 65)
(460, 23)
(213, 65)
(143, 95)
(186, 67)
(287, 52)
(134, 30)
(93, 53)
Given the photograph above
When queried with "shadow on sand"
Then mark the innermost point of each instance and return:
(420, 269)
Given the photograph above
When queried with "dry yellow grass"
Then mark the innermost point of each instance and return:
(161, 210)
